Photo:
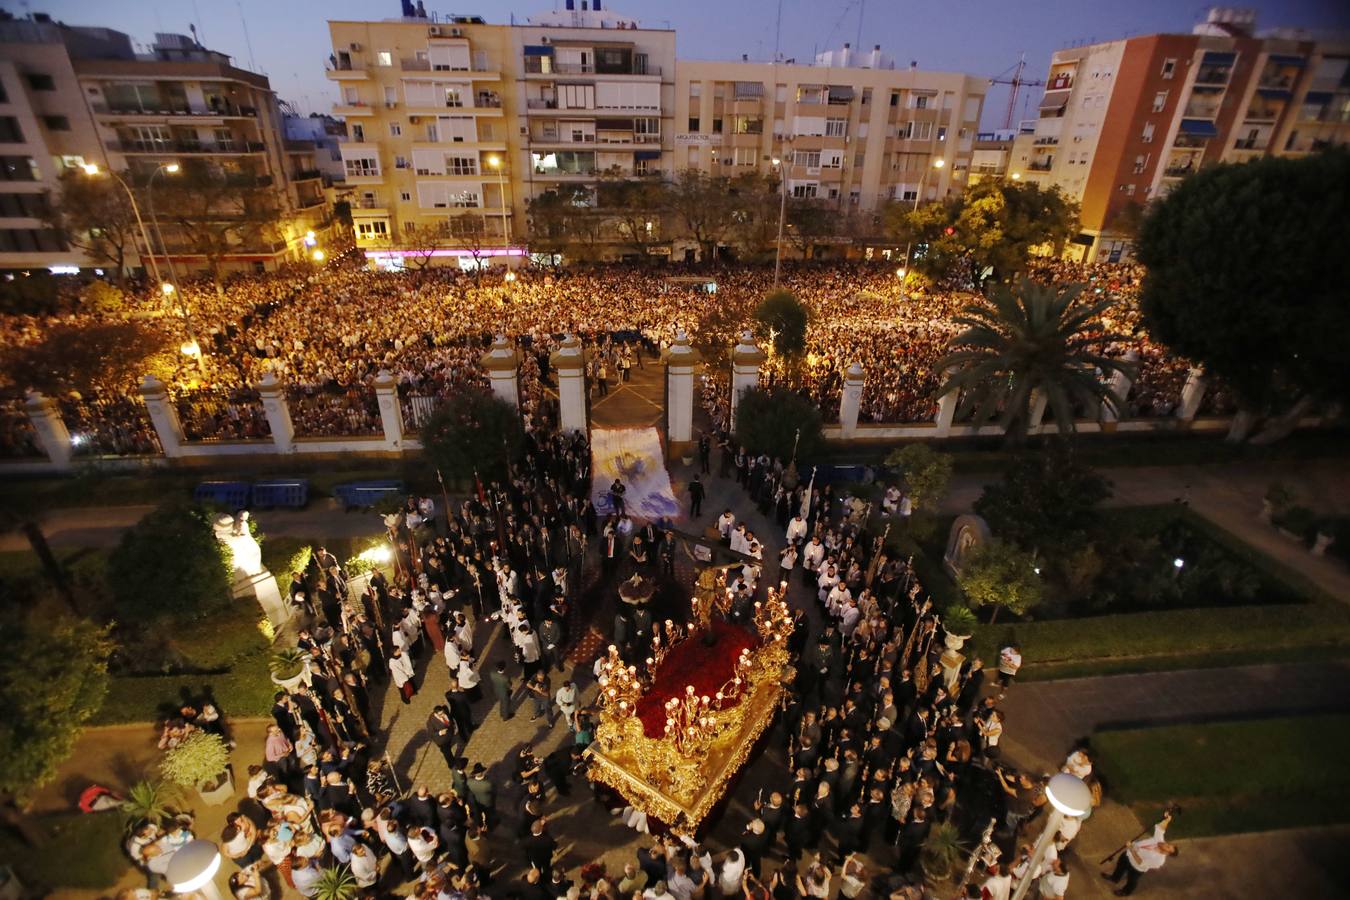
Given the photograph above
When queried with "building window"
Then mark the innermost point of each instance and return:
(942, 133)
(922, 101)
(1127, 189)
(717, 126)
(693, 156)
(395, 129)
(805, 191)
(10, 133)
(1159, 101)
(854, 197)
(461, 165)
(693, 124)
(1169, 66)
(836, 127)
(56, 123)
(404, 196)
(23, 206)
(384, 58)
(858, 159)
(695, 89)
(18, 168)
(1139, 163)
(746, 156)
(867, 97)
(400, 162)
(39, 82)
(368, 229)
(363, 167)
(808, 158)
(1147, 136)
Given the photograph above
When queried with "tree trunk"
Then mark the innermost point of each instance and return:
(993, 615)
(22, 824)
(38, 541)
(1243, 423)
(1281, 426)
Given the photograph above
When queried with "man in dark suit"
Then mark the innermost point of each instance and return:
(695, 497)
(441, 731)
(540, 846)
(460, 710)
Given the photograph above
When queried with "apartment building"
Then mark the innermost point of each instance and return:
(850, 128)
(78, 95)
(45, 128)
(455, 125)
(1121, 122)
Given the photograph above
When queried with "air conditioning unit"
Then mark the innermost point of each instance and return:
(414, 120)
(455, 32)
(544, 39)
(355, 48)
(434, 31)
(524, 131)
(390, 104)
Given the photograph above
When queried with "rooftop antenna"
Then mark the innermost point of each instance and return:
(862, 11)
(778, 33)
(199, 32)
(252, 66)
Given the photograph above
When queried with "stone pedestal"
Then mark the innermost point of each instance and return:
(391, 417)
(680, 359)
(278, 413)
(251, 579)
(850, 402)
(1120, 385)
(50, 428)
(946, 413)
(502, 363)
(1191, 394)
(569, 361)
(163, 416)
(746, 358)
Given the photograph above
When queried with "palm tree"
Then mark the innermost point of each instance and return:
(1031, 340)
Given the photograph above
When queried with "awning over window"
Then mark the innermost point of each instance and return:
(1084, 239)
(1215, 58)
(841, 92)
(1054, 100)
(749, 89)
(1199, 128)
(1284, 59)
(538, 50)
(647, 154)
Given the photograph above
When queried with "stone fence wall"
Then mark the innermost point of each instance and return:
(502, 363)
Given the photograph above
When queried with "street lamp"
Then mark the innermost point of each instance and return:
(318, 256)
(1017, 176)
(172, 169)
(495, 162)
(1068, 796)
(92, 170)
(937, 164)
(193, 869)
(782, 214)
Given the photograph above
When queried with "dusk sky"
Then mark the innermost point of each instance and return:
(982, 37)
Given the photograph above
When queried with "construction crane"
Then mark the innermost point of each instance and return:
(1013, 76)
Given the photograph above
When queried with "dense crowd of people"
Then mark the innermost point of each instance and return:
(327, 333)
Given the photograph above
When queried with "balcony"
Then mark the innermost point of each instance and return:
(164, 147)
(309, 202)
(222, 111)
(353, 109)
(415, 65)
(1041, 165)
(1046, 141)
(1179, 170)
(541, 103)
(306, 175)
(591, 69)
(345, 69)
(1251, 144)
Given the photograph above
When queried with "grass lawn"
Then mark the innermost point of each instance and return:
(83, 851)
(1232, 777)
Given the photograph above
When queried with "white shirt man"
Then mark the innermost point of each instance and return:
(1009, 661)
(401, 668)
(738, 540)
(1147, 854)
(528, 642)
(997, 886)
(452, 656)
(906, 507)
(796, 530)
(566, 698)
(725, 523)
(1054, 883)
(813, 555)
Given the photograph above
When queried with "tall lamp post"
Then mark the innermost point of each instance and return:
(172, 169)
(781, 165)
(937, 164)
(1068, 796)
(93, 171)
(193, 869)
(495, 162)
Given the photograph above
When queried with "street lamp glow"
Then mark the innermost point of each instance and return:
(1068, 794)
(190, 348)
(1178, 562)
(510, 276)
(777, 161)
(90, 168)
(494, 161)
(172, 168)
(939, 163)
(166, 288)
(1017, 176)
(900, 272)
(318, 255)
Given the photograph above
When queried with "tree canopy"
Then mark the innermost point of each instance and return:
(1028, 340)
(103, 356)
(926, 473)
(169, 566)
(782, 318)
(53, 678)
(993, 226)
(1247, 274)
(999, 575)
(1046, 501)
(768, 421)
(473, 432)
(94, 214)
